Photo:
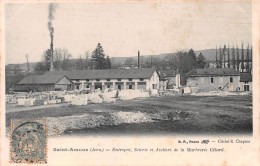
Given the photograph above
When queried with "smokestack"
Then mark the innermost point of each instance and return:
(139, 60)
(51, 48)
(51, 30)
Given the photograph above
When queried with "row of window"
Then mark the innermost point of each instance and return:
(118, 86)
(119, 79)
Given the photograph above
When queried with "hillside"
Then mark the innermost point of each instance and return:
(209, 54)
(22, 66)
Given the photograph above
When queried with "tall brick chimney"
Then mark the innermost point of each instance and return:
(139, 60)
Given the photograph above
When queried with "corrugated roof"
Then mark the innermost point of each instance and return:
(245, 77)
(106, 74)
(41, 79)
(213, 72)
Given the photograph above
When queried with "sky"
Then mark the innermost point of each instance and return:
(123, 28)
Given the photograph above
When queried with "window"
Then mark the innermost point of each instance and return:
(246, 82)
(108, 86)
(130, 79)
(130, 87)
(108, 79)
(211, 80)
(231, 79)
(246, 87)
(119, 87)
(77, 87)
(119, 79)
(141, 79)
(154, 86)
(87, 86)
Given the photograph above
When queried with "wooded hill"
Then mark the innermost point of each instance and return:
(209, 54)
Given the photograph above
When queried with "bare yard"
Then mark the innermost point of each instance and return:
(171, 115)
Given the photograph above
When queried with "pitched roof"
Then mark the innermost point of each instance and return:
(106, 74)
(167, 73)
(214, 72)
(41, 79)
(245, 77)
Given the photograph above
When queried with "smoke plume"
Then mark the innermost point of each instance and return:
(52, 8)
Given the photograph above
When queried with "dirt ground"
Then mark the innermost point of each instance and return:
(173, 115)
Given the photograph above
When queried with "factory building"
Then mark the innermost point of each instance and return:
(44, 83)
(119, 79)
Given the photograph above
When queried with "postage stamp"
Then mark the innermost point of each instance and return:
(28, 141)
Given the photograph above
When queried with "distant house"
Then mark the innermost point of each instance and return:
(211, 64)
(169, 76)
(146, 79)
(246, 81)
(44, 83)
(211, 79)
(162, 84)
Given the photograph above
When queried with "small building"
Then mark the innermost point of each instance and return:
(170, 78)
(119, 79)
(212, 79)
(45, 83)
(162, 84)
(246, 82)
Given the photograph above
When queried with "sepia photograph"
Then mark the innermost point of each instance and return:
(130, 68)
(129, 82)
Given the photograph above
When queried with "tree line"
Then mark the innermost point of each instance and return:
(181, 62)
(62, 60)
(235, 58)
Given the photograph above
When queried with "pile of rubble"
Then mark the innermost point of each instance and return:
(58, 126)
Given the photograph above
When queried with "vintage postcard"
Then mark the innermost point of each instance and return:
(130, 82)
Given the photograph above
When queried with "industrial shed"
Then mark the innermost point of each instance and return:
(146, 79)
(45, 83)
